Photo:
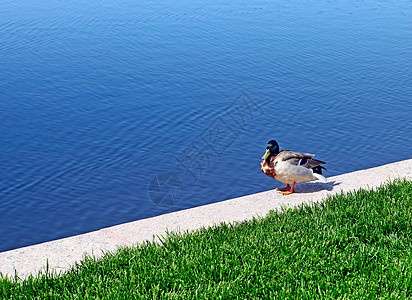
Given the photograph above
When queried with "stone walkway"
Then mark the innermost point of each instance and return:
(63, 253)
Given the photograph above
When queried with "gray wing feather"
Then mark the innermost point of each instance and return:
(289, 154)
(313, 163)
(295, 158)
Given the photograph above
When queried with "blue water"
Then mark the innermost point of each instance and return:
(113, 111)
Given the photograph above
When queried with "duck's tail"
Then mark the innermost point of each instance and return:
(319, 177)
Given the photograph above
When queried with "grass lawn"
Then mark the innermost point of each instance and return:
(353, 246)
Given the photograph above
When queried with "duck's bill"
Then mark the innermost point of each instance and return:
(266, 154)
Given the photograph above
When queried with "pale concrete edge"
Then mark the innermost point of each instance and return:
(28, 260)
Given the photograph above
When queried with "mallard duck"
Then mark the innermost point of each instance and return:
(290, 167)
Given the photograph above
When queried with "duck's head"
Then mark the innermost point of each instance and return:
(272, 148)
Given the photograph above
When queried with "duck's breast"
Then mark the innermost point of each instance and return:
(267, 168)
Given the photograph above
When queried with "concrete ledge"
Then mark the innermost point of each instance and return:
(62, 254)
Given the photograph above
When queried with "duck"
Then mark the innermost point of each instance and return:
(290, 167)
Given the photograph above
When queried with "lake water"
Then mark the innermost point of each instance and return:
(113, 111)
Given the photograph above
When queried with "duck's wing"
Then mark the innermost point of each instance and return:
(305, 160)
(292, 155)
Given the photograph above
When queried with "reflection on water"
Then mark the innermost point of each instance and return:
(114, 111)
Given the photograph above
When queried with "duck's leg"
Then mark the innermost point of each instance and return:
(291, 190)
(285, 188)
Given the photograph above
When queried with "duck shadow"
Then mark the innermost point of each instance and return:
(311, 187)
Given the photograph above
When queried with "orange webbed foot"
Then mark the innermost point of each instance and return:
(290, 191)
(285, 188)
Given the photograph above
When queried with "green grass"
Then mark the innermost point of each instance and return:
(353, 246)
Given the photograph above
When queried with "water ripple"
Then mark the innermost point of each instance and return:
(98, 98)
